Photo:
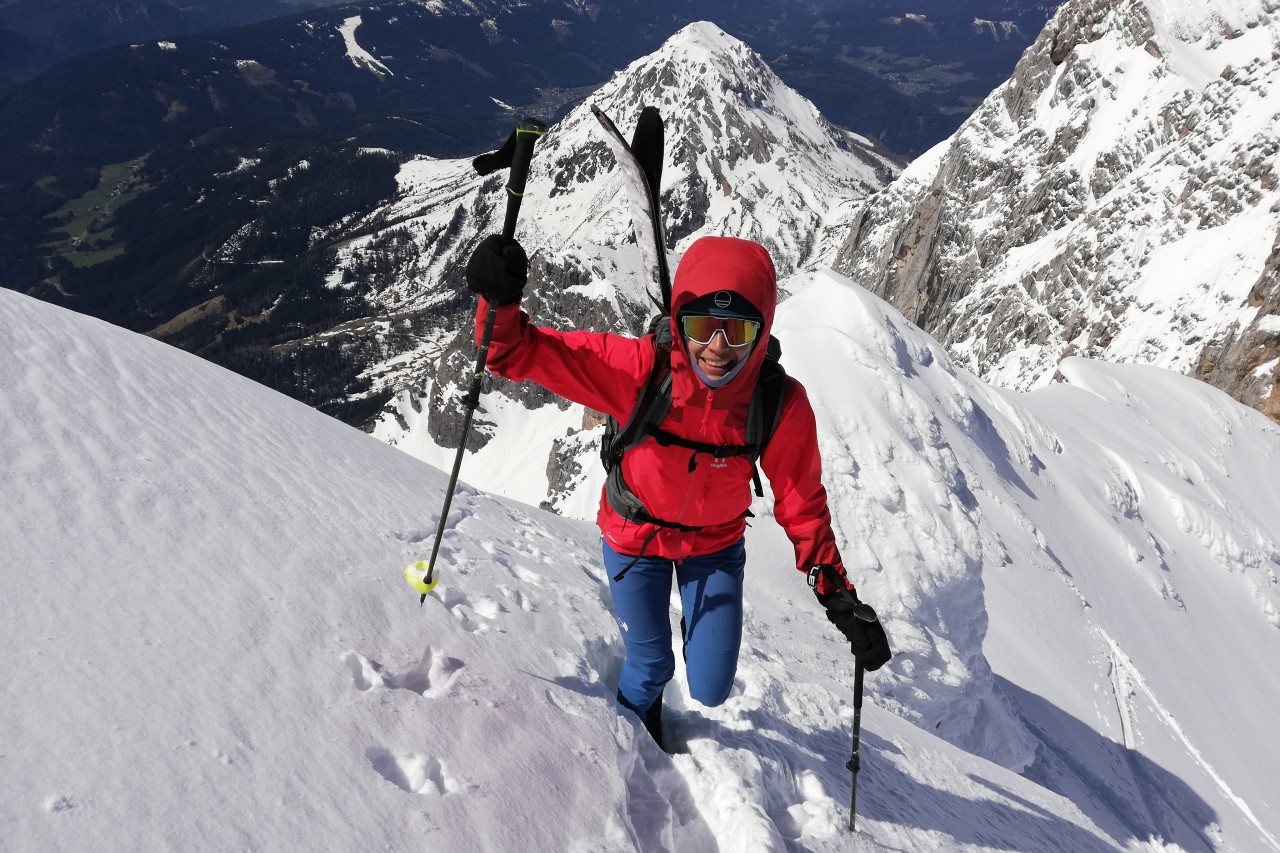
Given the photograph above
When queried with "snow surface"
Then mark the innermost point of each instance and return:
(360, 57)
(208, 644)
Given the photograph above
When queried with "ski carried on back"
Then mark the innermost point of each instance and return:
(641, 164)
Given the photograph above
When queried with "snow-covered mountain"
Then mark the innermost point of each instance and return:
(1118, 198)
(746, 156)
(209, 644)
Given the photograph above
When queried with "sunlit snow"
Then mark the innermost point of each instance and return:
(209, 644)
(360, 57)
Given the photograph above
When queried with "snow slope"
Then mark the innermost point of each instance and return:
(208, 644)
(1116, 534)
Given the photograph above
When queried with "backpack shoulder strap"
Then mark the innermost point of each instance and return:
(660, 328)
(764, 413)
(772, 391)
(766, 406)
(651, 407)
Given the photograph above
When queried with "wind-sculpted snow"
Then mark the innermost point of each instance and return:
(1116, 486)
(204, 605)
(902, 498)
(1117, 198)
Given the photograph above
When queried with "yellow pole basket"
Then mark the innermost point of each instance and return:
(420, 577)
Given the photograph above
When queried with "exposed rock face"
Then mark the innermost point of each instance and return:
(1118, 198)
(1246, 364)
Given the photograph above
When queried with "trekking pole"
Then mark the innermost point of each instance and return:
(854, 761)
(516, 155)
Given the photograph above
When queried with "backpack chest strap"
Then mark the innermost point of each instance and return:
(719, 451)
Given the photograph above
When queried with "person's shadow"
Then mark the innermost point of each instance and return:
(892, 791)
(1126, 794)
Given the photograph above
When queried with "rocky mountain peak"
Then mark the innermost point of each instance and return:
(745, 156)
(736, 136)
(1118, 198)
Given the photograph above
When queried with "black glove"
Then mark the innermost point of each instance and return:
(857, 621)
(498, 270)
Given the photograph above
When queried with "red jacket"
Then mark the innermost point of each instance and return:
(606, 372)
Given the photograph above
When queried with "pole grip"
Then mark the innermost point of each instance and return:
(526, 135)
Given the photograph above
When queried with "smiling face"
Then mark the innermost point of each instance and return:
(717, 358)
(723, 294)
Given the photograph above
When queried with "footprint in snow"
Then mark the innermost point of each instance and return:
(366, 674)
(432, 676)
(435, 673)
(798, 802)
(518, 598)
(526, 576)
(413, 772)
(58, 804)
(412, 537)
(464, 608)
(566, 702)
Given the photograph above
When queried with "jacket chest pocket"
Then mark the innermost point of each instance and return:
(719, 489)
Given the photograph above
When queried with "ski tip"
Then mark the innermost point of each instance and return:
(604, 119)
(650, 117)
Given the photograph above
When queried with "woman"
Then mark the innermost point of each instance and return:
(695, 502)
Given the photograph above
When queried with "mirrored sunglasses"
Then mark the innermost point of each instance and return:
(700, 329)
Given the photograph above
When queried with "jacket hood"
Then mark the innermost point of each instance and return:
(713, 264)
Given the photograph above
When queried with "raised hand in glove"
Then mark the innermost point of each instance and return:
(498, 270)
(857, 621)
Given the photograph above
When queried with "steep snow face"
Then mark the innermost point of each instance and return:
(204, 606)
(1082, 524)
(1117, 198)
(745, 156)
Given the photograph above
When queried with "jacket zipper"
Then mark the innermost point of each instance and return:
(691, 484)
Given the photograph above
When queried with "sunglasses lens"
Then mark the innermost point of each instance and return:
(699, 329)
(737, 333)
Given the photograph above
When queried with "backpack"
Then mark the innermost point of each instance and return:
(651, 407)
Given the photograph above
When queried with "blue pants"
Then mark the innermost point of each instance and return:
(711, 598)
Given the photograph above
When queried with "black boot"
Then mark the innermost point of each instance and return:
(653, 722)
